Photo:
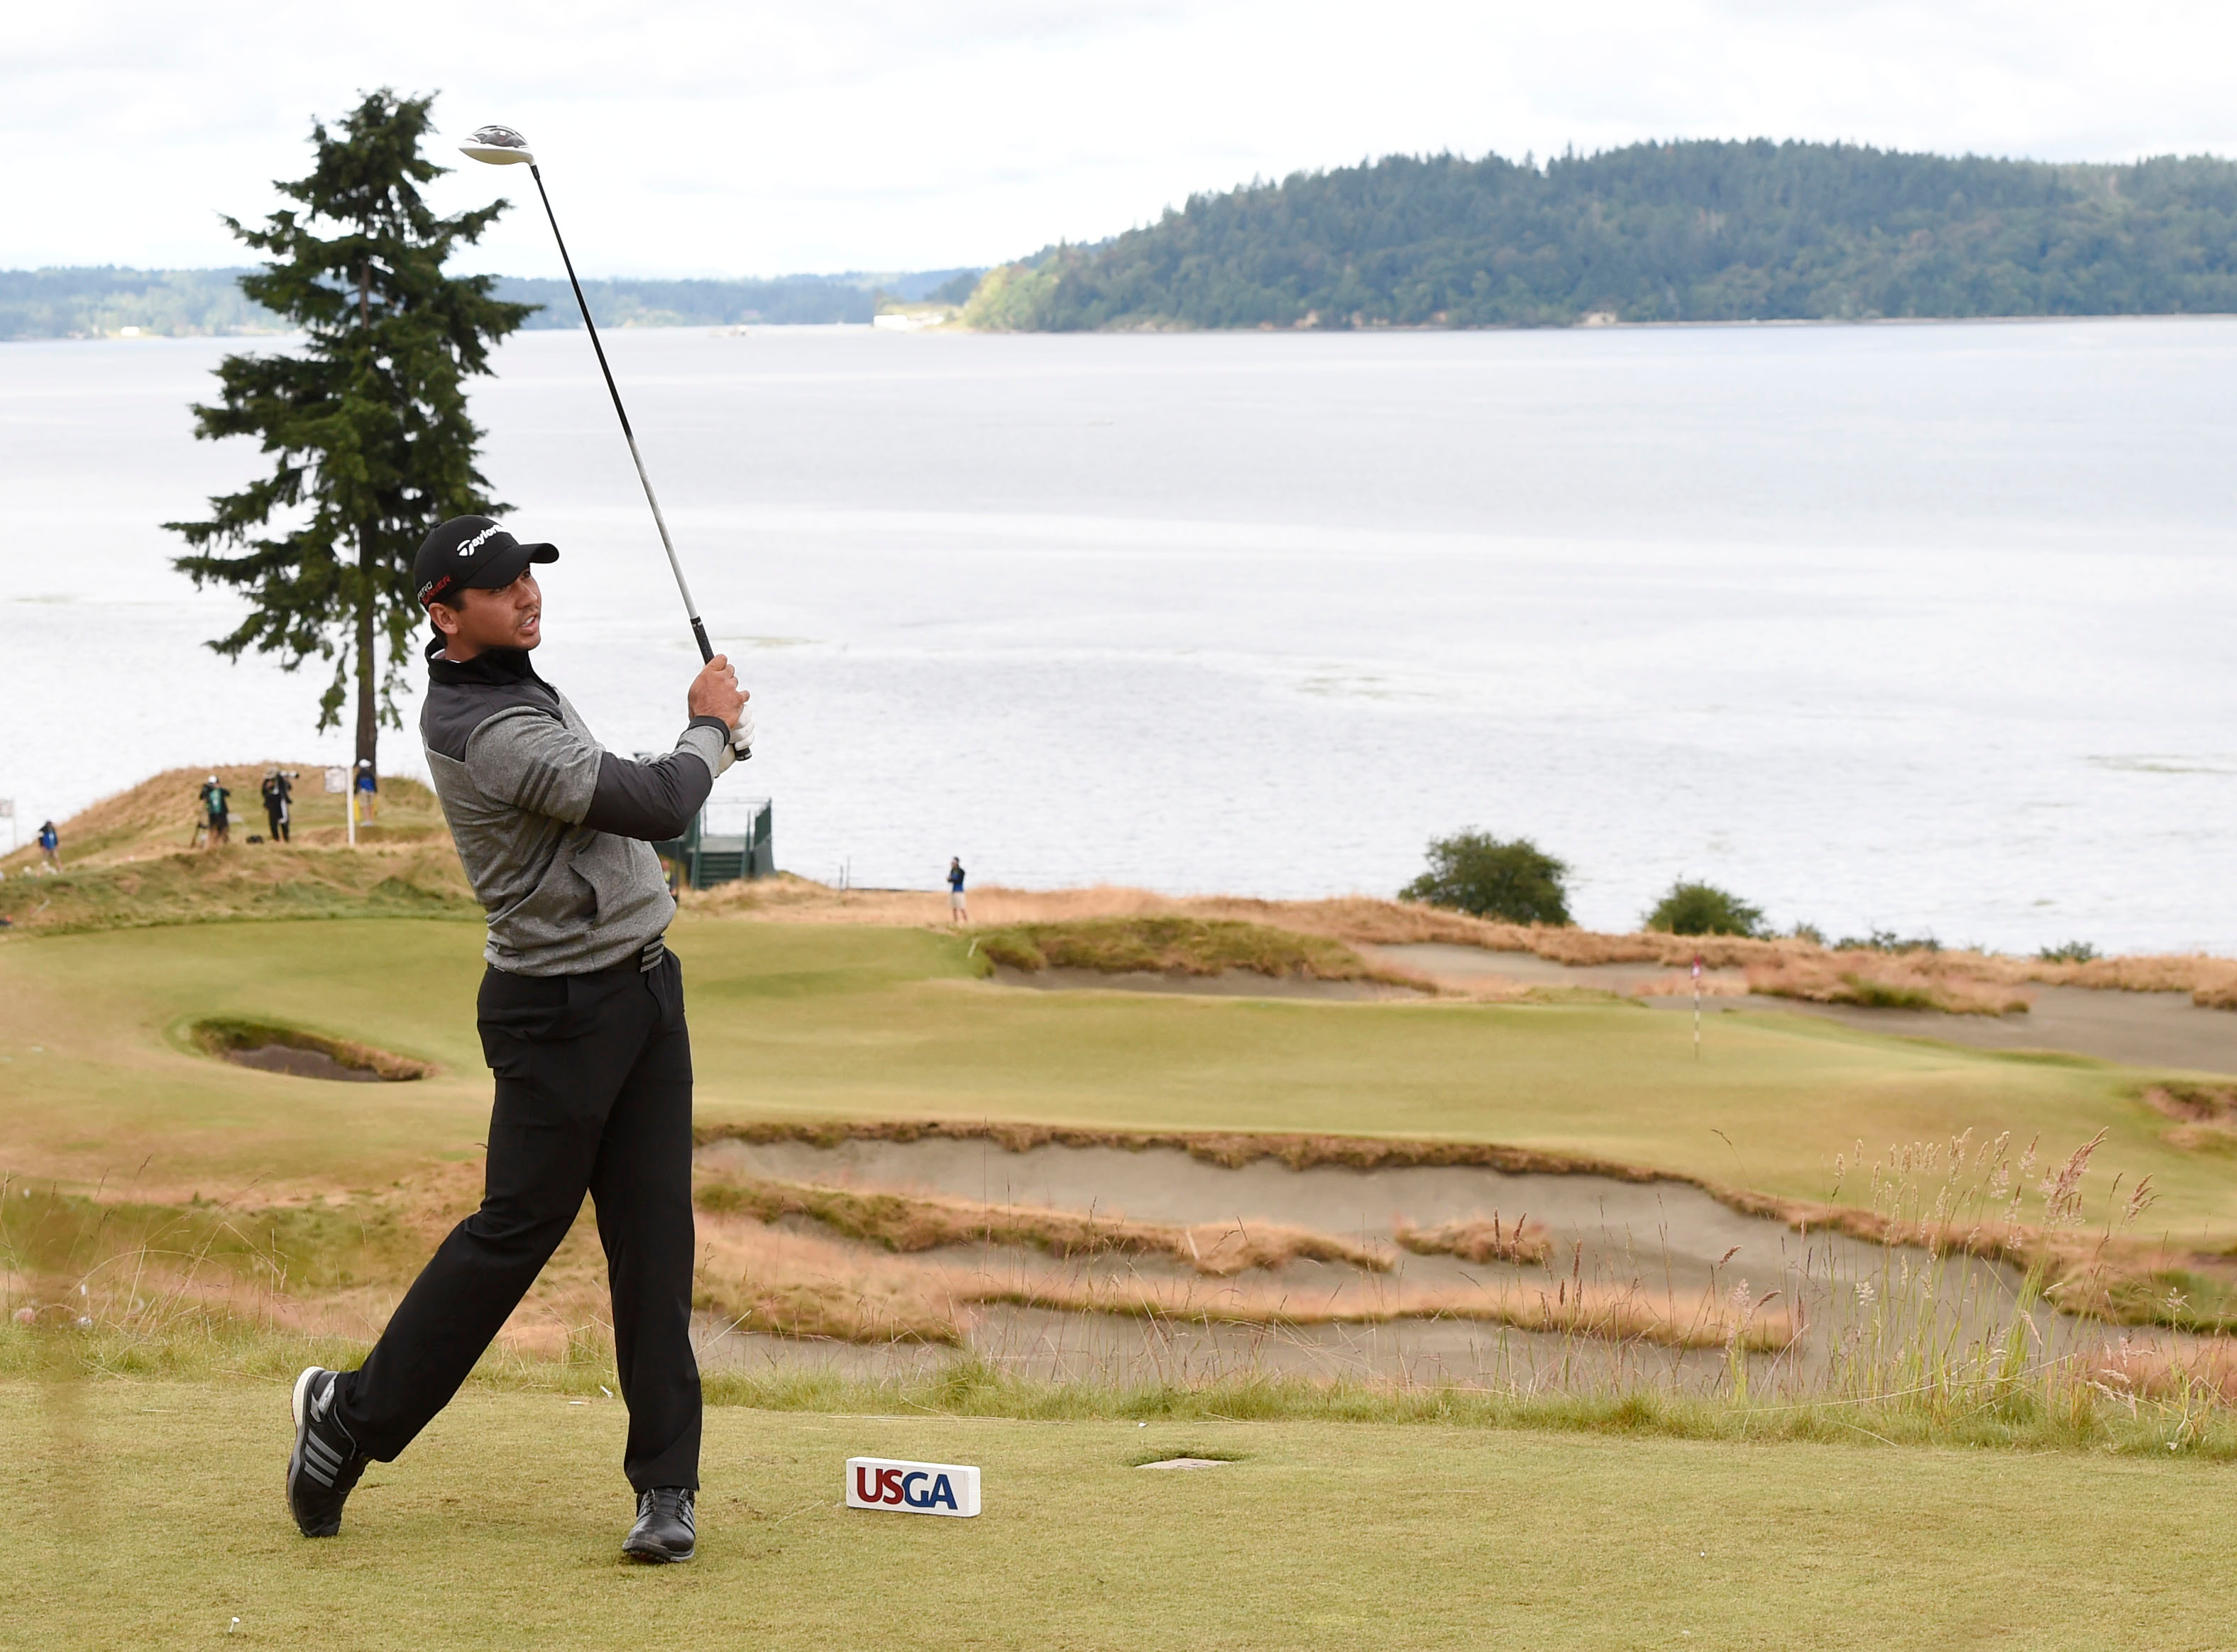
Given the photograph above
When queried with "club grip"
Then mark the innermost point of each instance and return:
(706, 648)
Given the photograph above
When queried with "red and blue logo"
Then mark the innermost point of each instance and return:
(912, 1488)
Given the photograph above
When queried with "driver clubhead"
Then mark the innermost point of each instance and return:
(500, 146)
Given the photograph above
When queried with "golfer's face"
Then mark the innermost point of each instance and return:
(509, 618)
(522, 603)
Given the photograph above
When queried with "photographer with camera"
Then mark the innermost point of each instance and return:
(216, 816)
(278, 792)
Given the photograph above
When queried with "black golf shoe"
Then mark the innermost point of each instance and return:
(665, 1529)
(326, 1462)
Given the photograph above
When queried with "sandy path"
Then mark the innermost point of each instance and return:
(2139, 1028)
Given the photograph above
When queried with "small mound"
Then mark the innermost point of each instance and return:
(1175, 946)
(158, 816)
(1477, 1240)
(2206, 1115)
(271, 1048)
(1186, 1462)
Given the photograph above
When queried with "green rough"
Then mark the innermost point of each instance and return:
(147, 1512)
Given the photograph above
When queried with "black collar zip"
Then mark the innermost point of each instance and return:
(495, 666)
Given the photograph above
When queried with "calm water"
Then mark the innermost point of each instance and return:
(1921, 627)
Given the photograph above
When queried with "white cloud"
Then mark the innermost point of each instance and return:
(685, 137)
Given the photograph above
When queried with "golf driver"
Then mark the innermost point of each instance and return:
(500, 146)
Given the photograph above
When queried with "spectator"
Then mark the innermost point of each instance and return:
(214, 798)
(50, 846)
(368, 788)
(278, 792)
(959, 911)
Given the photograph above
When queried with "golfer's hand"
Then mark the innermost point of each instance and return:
(715, 693)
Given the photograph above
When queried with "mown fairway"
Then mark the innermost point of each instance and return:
(820, 1020)
(149, 1513)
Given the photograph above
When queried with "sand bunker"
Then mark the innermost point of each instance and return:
(1528, 1271)
(271, 1048)
(2138, 1029)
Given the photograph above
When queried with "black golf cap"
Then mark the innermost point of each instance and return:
(471, 553)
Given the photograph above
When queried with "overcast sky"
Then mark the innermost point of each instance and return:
(748, 138)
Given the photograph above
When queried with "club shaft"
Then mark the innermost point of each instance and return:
(690, 607)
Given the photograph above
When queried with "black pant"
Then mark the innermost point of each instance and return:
(593, 1095)
(278, 822)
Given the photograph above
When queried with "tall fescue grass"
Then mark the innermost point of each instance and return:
(1174, 945)
(1917, 976)
(1955, 1336)
(906, 1222)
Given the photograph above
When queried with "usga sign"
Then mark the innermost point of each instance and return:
(912, 1488)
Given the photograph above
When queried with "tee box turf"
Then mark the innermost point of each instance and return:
(912, 1488)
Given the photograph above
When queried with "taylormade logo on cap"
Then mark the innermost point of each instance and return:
(452, 558)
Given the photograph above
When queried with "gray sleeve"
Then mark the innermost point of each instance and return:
(656, 801)
(532, 760)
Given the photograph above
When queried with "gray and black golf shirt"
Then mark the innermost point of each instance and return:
(554, 831)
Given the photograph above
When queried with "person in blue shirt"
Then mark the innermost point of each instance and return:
(958, 910)
(50, 844)
(368, 788)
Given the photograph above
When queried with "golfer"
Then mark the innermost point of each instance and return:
(582, 1021)
(959, 909)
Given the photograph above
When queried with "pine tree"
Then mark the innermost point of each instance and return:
(367, 419)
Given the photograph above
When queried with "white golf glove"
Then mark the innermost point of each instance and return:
(742, 737)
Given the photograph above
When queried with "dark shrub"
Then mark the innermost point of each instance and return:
(1704, 908)
(1476, 874)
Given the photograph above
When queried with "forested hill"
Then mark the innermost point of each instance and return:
(1676, 232)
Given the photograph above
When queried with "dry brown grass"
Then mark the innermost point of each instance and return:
(1177, 945)
(911, 1222)
(1716, 984)
(127, 861)
(2153, 1368)
(150, 1273)
(783, 1283)
(795, 1284)
(1885, 981)
(800, 1285)
(1477, 1240)
(1952, 980)
(1354, 920)
(158, 816)
(2212, 982)
(242, 880)
(1231, 1149)
(2205, 1115)
(2117, 1278)
(1612, 1314)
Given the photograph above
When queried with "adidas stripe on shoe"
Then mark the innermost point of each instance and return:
(325, 1465)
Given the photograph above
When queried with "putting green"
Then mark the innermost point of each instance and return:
(841, 1021)
(151, 1513)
